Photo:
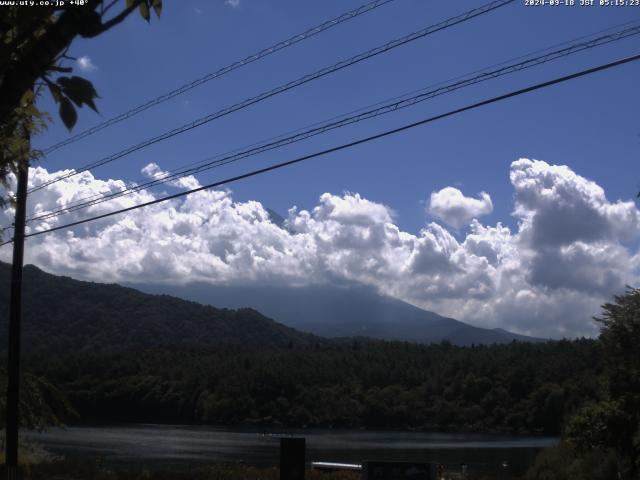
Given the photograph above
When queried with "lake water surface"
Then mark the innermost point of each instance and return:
(191, 445)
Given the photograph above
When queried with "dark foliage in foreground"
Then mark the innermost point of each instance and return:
(518, 387)
(601, 441)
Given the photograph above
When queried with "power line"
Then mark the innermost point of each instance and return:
(287, 86)
(346, 145)
(290, 85)
(281, 141)
(85, 200)
(222, 71)
(202, 166)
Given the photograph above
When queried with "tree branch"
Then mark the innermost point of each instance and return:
(56, 68)
(39, 55)
(108, 7)
(115, 20)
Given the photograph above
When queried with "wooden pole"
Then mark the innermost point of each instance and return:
(15, 315)
(292, 458)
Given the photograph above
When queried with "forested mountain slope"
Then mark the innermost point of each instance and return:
(61, 314)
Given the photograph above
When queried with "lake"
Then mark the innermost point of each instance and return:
(192, 445)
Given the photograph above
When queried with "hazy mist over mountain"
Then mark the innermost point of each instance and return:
(339, 311)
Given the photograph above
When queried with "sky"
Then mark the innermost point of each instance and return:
(519, 215)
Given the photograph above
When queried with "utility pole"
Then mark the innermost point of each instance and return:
(15, 316)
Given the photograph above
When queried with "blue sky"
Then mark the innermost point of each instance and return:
(589, 124)
(445, 216)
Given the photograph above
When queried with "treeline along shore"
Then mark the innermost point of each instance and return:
(514, 388)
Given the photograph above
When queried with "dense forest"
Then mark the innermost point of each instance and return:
(104, 353)
(518, 387)
(117, 354)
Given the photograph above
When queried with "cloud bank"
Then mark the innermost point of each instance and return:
(568, 254)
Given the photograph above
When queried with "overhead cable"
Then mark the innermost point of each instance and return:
(379, 110)
(343, 146)
(220, 72)
(285, 87)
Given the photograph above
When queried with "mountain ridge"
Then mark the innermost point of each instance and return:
(61, 314)
(64, 314)
(342, 311)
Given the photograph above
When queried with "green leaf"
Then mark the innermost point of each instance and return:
(55, 91)
(80, 90)
(157, 6)
(68, 113)
(129, 3)
(144, 10)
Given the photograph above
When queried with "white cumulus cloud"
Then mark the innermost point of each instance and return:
(456, 210)
(154, 172)
(559, 207)
(232, 3)
(539, 277)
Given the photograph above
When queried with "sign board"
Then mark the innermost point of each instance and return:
(398, 471)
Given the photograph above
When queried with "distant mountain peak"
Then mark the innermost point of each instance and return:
(71, 314)
(276, 218)
(347, 310)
